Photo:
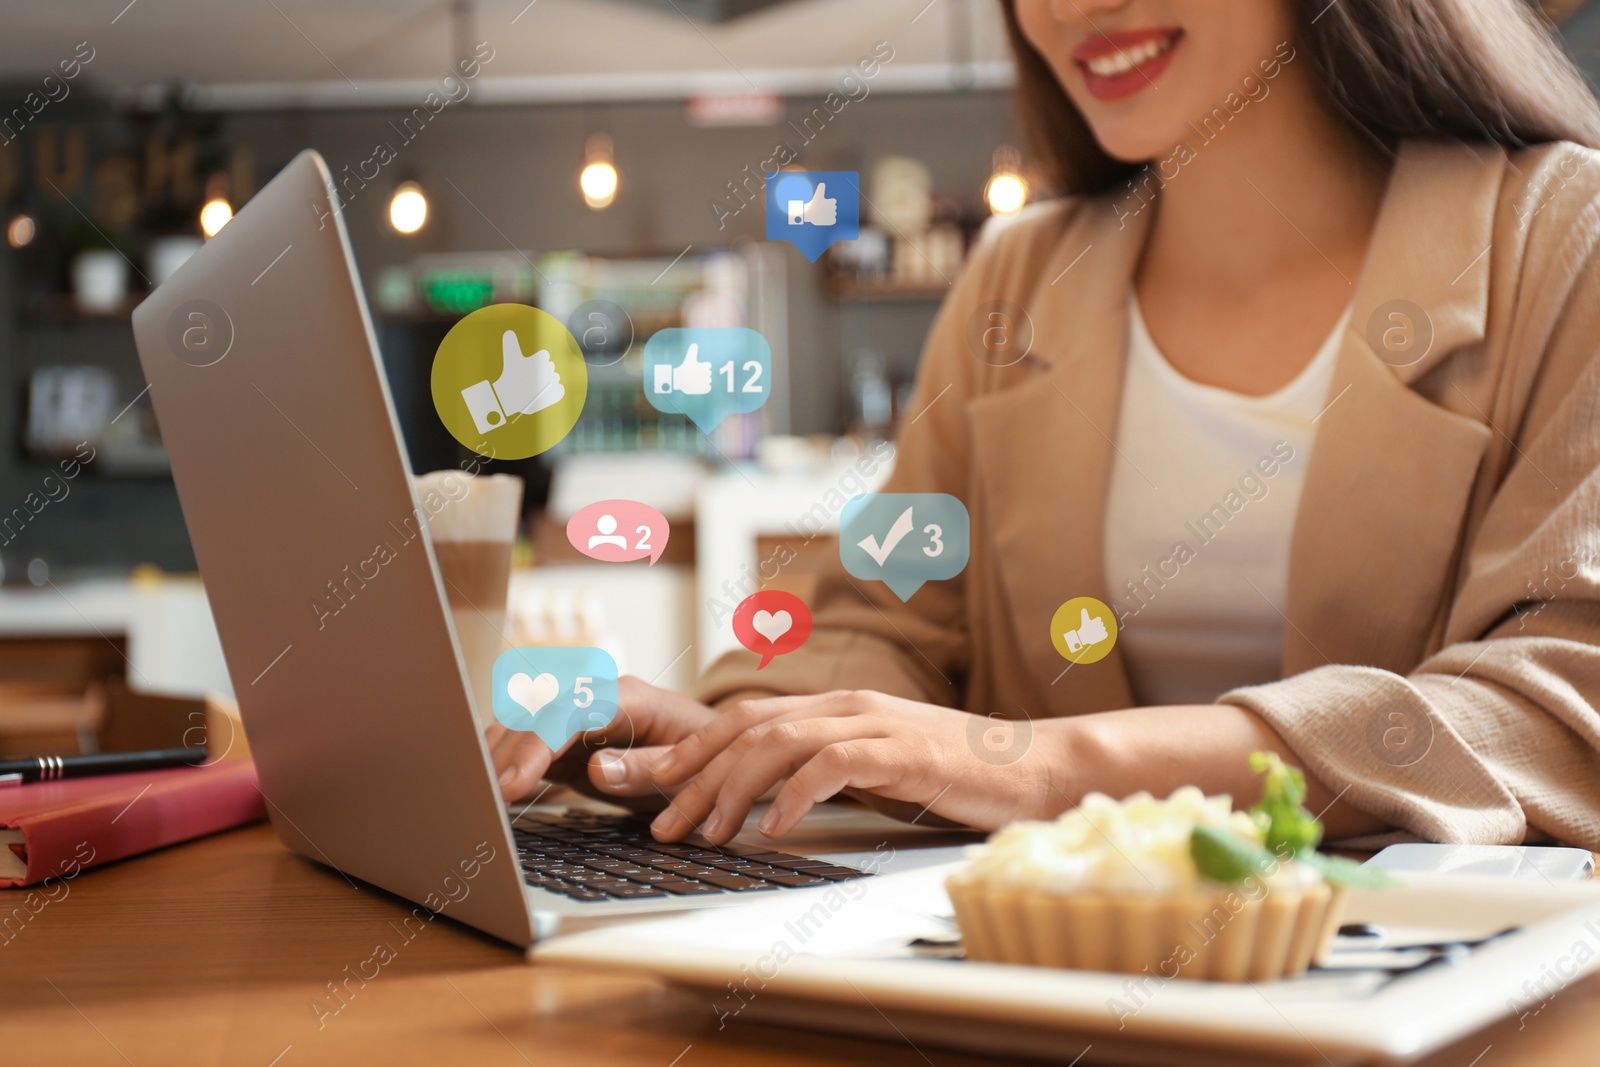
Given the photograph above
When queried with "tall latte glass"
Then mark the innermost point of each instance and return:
(473, 524)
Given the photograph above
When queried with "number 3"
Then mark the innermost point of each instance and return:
(933, 531)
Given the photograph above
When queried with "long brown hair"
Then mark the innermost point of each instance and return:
(1395, 69)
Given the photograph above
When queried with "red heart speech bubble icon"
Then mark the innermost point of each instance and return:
(771, 623)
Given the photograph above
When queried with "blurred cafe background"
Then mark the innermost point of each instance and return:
(602, 160)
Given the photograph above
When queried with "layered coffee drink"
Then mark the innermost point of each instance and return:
(472, 521)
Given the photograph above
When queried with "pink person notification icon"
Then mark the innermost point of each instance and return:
(771, 623)
(615, 531)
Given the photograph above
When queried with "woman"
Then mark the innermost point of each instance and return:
(1326, 285)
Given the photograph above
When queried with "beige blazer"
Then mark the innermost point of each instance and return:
(1440, 659)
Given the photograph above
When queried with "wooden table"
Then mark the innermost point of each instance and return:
(215, 953)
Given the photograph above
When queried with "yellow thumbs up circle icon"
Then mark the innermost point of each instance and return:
(1083, 630)
(509, 381)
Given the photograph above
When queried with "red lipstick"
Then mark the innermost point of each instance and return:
(1121, 62)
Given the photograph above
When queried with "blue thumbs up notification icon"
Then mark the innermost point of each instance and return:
(813, 209)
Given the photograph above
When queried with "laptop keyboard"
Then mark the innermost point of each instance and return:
(589, 856)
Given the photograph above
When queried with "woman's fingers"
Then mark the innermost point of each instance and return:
(789, 744)
(625, 772)
(501, 741)
(691, 755)
(872, 763)
(526, 760)
(645, 715)
(650, 715)
(520, 759)
(719, 797)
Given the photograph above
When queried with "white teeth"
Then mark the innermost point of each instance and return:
(1127, 59)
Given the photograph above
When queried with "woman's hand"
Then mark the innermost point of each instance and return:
(611, 763)
(900, 754)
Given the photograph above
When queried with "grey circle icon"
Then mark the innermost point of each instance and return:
(199, 332)
(604, 332)
(997, 740)
(1399, 737)
(1000, 333)
(1399, 332)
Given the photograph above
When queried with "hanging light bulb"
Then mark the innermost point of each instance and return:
(1007, 190)
(598, 179)
(21, 231)
(216, 211)
(408, 208)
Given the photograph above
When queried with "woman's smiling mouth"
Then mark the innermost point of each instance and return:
(1122, 62)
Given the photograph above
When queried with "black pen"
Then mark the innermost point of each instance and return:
(53, 768)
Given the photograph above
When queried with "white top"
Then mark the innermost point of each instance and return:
(1205, 484)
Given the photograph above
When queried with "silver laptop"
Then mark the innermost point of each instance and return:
(266, 380)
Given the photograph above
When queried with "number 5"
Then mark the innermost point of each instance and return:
(582, 695)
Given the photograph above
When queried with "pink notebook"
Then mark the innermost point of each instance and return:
(56, 829)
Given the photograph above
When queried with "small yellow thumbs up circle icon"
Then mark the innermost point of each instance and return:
(1083, 630)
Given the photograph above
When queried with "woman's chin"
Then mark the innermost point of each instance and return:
(1138, 146)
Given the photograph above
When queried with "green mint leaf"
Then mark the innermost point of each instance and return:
(1225, 857)
(1289, 828)
(1336, 870)
(1285, 785)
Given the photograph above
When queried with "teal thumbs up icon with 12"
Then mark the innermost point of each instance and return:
(707, 373)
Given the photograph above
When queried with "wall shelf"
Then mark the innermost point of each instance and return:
(62, 309)
(868, 289)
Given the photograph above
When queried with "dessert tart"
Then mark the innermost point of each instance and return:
(1181, 887)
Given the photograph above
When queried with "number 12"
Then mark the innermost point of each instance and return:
(750, 386)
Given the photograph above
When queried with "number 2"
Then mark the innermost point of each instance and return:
(582, 695)
(934, 533)
(643, 544)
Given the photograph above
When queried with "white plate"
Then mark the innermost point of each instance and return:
(838, 958)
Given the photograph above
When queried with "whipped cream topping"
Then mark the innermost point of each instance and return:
(1138, 845)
